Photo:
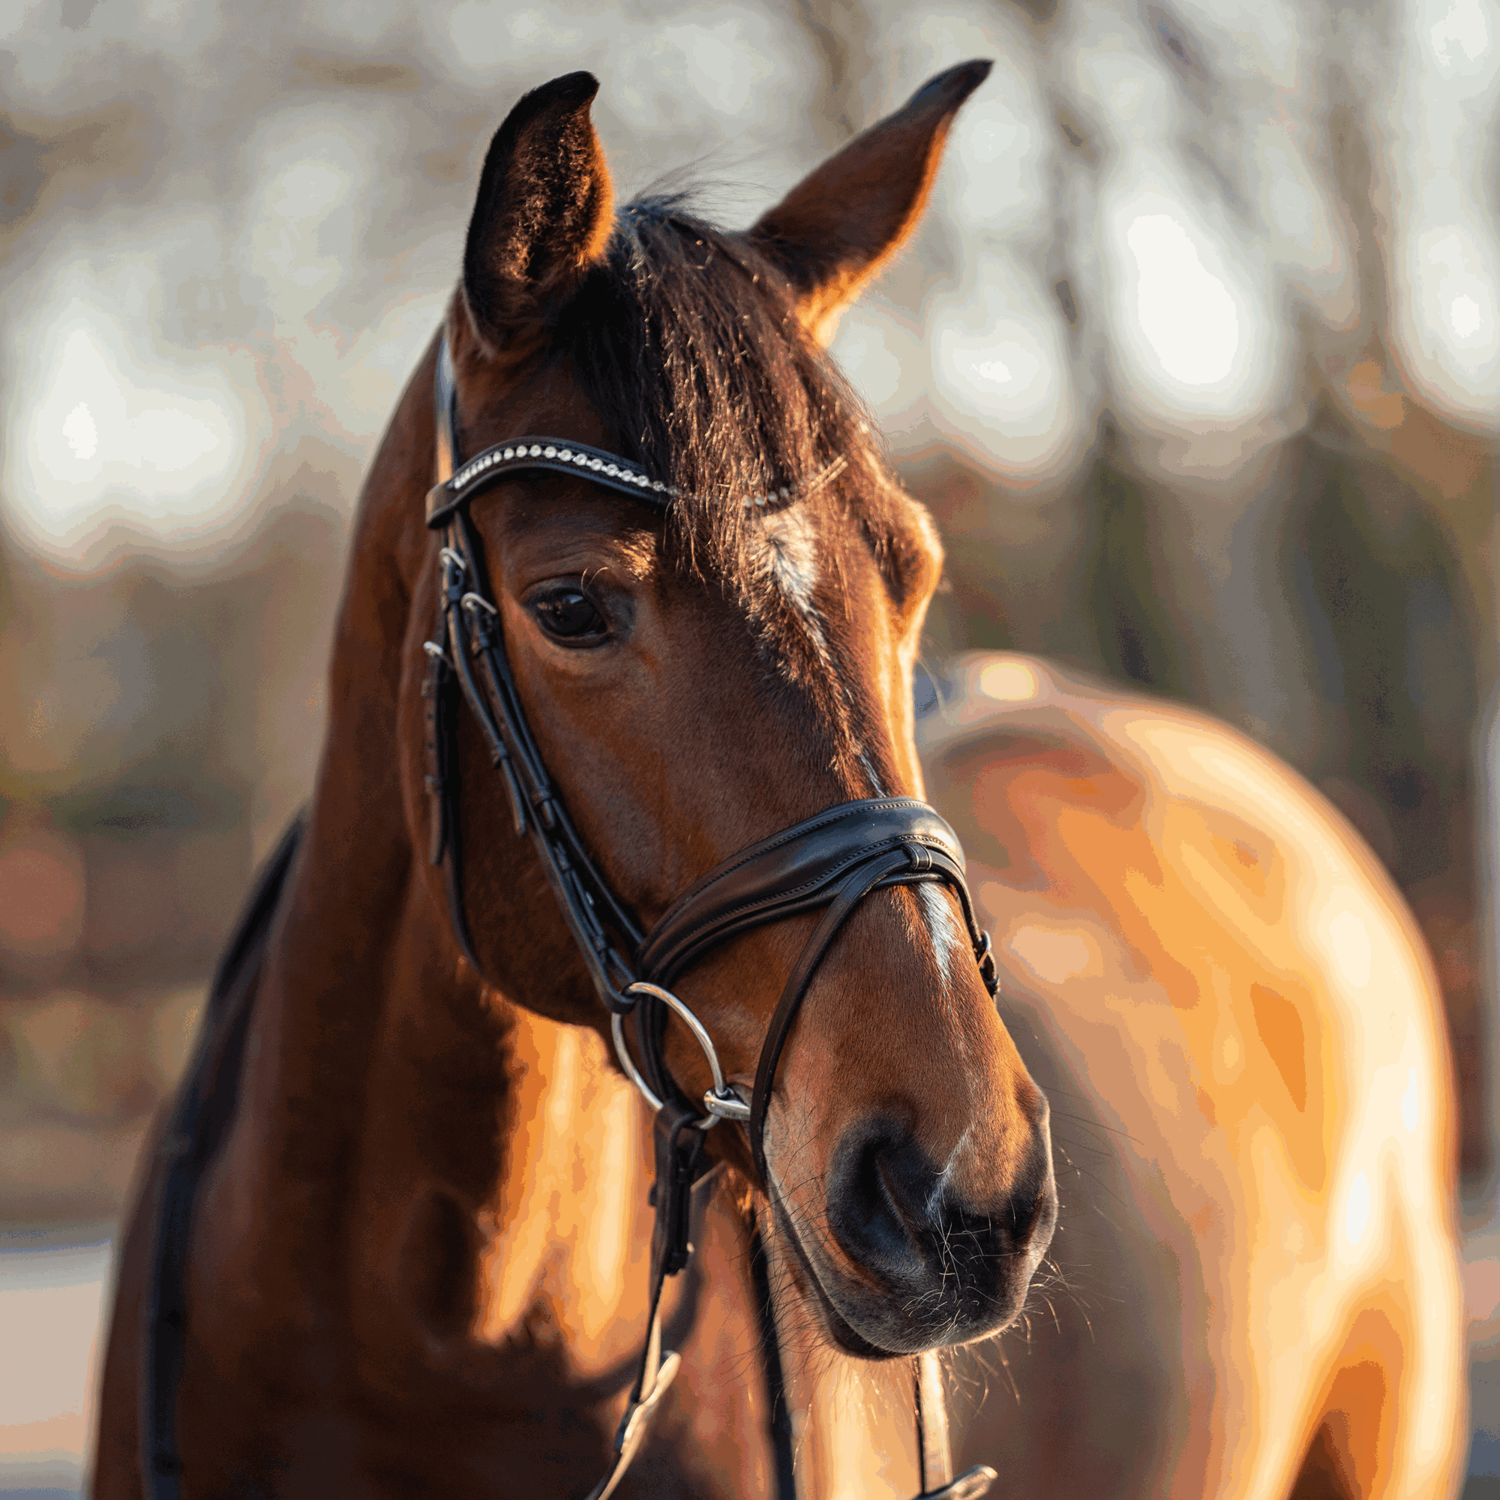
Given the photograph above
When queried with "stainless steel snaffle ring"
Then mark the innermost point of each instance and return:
(721, 1101)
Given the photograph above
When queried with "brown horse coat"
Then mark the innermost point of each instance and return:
(1257, 1287)
(416, 1262)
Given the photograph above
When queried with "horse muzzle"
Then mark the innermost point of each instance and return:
(908, 1262)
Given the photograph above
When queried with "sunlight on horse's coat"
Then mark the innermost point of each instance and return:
(1357, 1209)
(1010, 681)
(612, 1155)
(1249, 1017)
(838, 1407)
(570, 1200)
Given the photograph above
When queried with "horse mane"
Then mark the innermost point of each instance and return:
(687, 343)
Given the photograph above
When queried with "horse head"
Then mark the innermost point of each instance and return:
(700, 674)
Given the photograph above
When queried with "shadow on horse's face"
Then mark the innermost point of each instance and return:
(699, 682)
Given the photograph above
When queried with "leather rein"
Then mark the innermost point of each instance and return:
(831, 862)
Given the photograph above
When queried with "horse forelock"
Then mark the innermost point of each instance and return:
(686, 343)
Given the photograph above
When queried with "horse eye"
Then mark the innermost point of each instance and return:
(569, 615)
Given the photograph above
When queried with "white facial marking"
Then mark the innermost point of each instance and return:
(792, 561)
(947, 940)
(793, 556)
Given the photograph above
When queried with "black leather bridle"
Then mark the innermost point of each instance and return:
(831, 862)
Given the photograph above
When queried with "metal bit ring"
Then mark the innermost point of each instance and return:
(720, 1102)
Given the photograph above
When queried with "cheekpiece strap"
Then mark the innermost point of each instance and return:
(934, 1450)
(468, 658)
(681, 1161)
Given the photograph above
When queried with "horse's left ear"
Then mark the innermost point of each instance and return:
(542, 216)
(835, 230)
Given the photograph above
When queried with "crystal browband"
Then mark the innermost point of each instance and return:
(595, 464)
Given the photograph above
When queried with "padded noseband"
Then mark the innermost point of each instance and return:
(833, 860)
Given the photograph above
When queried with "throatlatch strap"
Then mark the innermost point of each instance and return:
(778, 1413)
(441, 690)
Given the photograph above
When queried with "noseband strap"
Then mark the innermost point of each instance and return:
(830, 861)
(798, 870)
(834, 861)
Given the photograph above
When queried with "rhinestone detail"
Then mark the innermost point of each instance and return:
(615, 469)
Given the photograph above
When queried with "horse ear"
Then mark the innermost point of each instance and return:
(543, 213)
(835, 230)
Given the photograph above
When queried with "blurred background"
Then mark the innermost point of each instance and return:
(1196, 360)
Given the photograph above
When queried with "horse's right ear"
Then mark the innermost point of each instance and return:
(543, 213)
(835, 230)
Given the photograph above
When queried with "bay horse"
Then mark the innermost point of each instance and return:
(1255, 1287)
(617, 708)
(418, 1254)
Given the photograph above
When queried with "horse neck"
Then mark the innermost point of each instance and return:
(403, 1129)
(419, 1169)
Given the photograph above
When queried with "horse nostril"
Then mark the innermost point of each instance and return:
(892, 1213)
(924, 1259)
(872, 1212)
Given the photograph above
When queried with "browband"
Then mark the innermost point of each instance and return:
(527, 455)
